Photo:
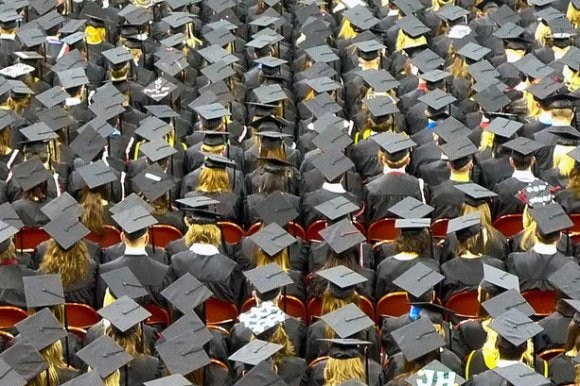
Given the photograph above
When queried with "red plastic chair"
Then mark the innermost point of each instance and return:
(9, 316)
(465, 304)
(159, 315)
(254, 228)
(313, 230)
(232, 232)
(382, 230)
(391, 305)
(110, 236)
(162, 234)
(315, 308)
(439, 228)
(7, 338)
(543, 302)
(547, 355)
(576, 220)
(79, 332)
(81, 315)
(317, 360)
(28, 238)
(509, 225)
(219, 311)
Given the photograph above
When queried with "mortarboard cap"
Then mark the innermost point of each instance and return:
(157, 150)
(492, 99)
(154, 182)
(72, 26)
(189, 322)
(31, 36)
(337, 207)
(218, 162)
(546, 88)
(268, 278)
(16, 70)
(515, 327)
(418, 280)
(412, 26)
(255, 352)
(212, 111)
(379, 80)
(66, 230)
(105, 356)
(186, 293)
(178, 19)
(500, 278)
(451, 129)
(551, 218)
(129, 202)
(74, 38)
(24, 359)
(263, 318)
(41, 329)
(332, 138)
(91, 378)
(451, 12)
(276, 209)
(6, 233)
(482, 71)
(172, 63)
(153, 128)
(347, 321)
(261, 374)
(215, 53)
(410, 208)
(332, 163)
(505, 14)
(342, 280)
(221, 36)
(435, 75)
(272, 239)
(52, 97)
(88, 144)
(427, 60)
(197, 202)
(29, 174)
(381, 106)
(342, 236)
(572, 58)
(159, 89)
(412, 224)
(6, 118)
(38, 132)
(270, 61)
(458, 149)
(502, 303)
(134, 219)
(567, 280)
(473, 51)
(65, 203)
(97, 174)
(323, 54)
(476, 193)
(117, 55)
(73, 77)
(522, 145)
(417, 339)
(409, 6)
(437, 99)
(218, 71)
(122, 282)
(9, 215)
(396, 145)
(171, 380)
(270, 94)
(521, 375)
(467, 225)
(124, 313)
(162, 111)
(56, 118)
(533, 67)
(43, 290)
(505, 128)
(509, 31)
(9, 376)
(322, 84)
(436, 372)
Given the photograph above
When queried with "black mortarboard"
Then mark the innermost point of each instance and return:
(6, 119)
(437, 99)
(72, 26)
(122, 282)
(105, 356)
(263, 319)
(276, 209)
(451, 129)
(505, 14)
(381, 106)
(261, 374)
(322, 84)
(515, 327)
(409, 6)
(255, 352)
(379, 80)
(332, 163)
(91, 378)
(500, 278)
(174, 40)
(218, 71)
(162, 111)
(342, 236)
(117, 55)
(270, 61)
(522, 145)
(492, 99)
(97, 174)
(476, 194)
(427, 60)
(272, 239)
(43, 290)
(197, 202)
(218, 162)
(153, 128)
(412, 225)
(24, 359)
(268, 278)
(134, 219)
(410, 208)
(551, 218)
(212, 111)
(458, 149)
(73, 77)
(186, 293)
(418, 280)
(533, 67)
(9, 375)
(473, 51)
(50, 20)
(519, 374)
(124, 313)
(171, 380)
(323, 54)
(215, 53)
(31, 37)
(482, 71)
(270, 94)
(337, 207)
(66, 230)
(159, 89)
(505, 128)
(189, 322)
(347, 321)
(9, 215)
(546, 88)
(417, 339)
(129, 202)
(221, 5)
(436, 75)
(509, 31)
(172, 63)
(436, 372)
(412, 26)
(16, 70)
(214, 138)
(397, 145)
(154, 182)
(332, 138)
(41, 329)
(221, 36)
(342, 280)
(178, 19)
(451, 12)
(157, 150)
(29, 174)
(567, 280)
(502, 303)
(88, 144)
(572, 58)
(6, 233)
(65, 203)
(38, 132)
(52, 97)
(536, 194)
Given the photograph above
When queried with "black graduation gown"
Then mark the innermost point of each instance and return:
(190, 181)
(172, 217)
(447, 200)
(29, 212)
(315, 348)
(97, 330)
(534, 269)
(11, 276)
(319, 252)
(467, 337)
(397, 364)
(312, 199)
(365, 157)
(142, 369)
(391, 268)
(154, 276)
(494, 171)
(463, 274)
(254, 178)
(256, 200)
(476, 365)
(293, 157)
(315, 375)
(562, 370)
(194, 158)
(313, 180)
(292, 370)
(434, 173)
(229, 207)
(386, 191)
(117, 250)
(297, 252)
(555, 331)
(217, 272)
(567, 198)
(506, 202)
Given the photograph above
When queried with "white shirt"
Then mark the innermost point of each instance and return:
(545, 249)
(204, 249)
(524, 175)
(334, 188)
(387, 170)
(135, 251)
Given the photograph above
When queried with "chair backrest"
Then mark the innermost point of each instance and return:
(317, 360)
(162, 234)
(79, 332)
(543, 302)
(110, 236)
(9, 316)
(576, 220)
(28, 238)
(293, 307)
(249, 303)
(439, 228)
(296, 230)
(509, 225)
(219, 311)
(81, 315)
(159, 315)
(367, 307)
(313, 230)
(314, 308)
(551, 353)
(254, 228)
(232, 232)
(360, 226)
(382, 230)
(393, 304)
(7, 338)
(465, 304)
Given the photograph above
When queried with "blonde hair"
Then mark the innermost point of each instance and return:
(486, 141)
(437, 4)
(113, 379)
(346, 30)
(281, 337)
(571, 77)
(203, 233)
(281, 258)
(9, 253)
(5, 140)
(458, 68)
(529, 237)
(562, 161)
(331, 303)
(72, 264)
(213, 180)
(573, 15)
(93, 216)
(219, 149)
(542, 31)
(53, 355)
(534, 108)
(95, 35)
(338, 371)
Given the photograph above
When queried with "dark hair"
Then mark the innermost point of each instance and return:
(547, 238)
(522, 162)
(273, 182)
(509, 351)
(413, 242)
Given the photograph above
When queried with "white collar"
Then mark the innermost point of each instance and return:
(387, 170)
(334, 188)
(524, 175)
(204, 249)
(505, 363)
(135, 251)
(544, 249)
(72, 101)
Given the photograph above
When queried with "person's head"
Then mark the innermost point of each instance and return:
(274, 179)
(72, 264)
(548, 238)
(213, 180)
(344, 363)
(138, 239)
(278, 335)
(473, 244)
(485, 292)
(53, 355)
(281, 258)
(412, 241)
(509, 351)
(5, 138)
(460, 166)
(203, 231)
(395, 161)
(574, 180)
(522, 162)
(37, 193)
(331, 301)
(93, 216)
(573, 337)
(562, 161)
(271, 148)
(7, 250)
(161, 205)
